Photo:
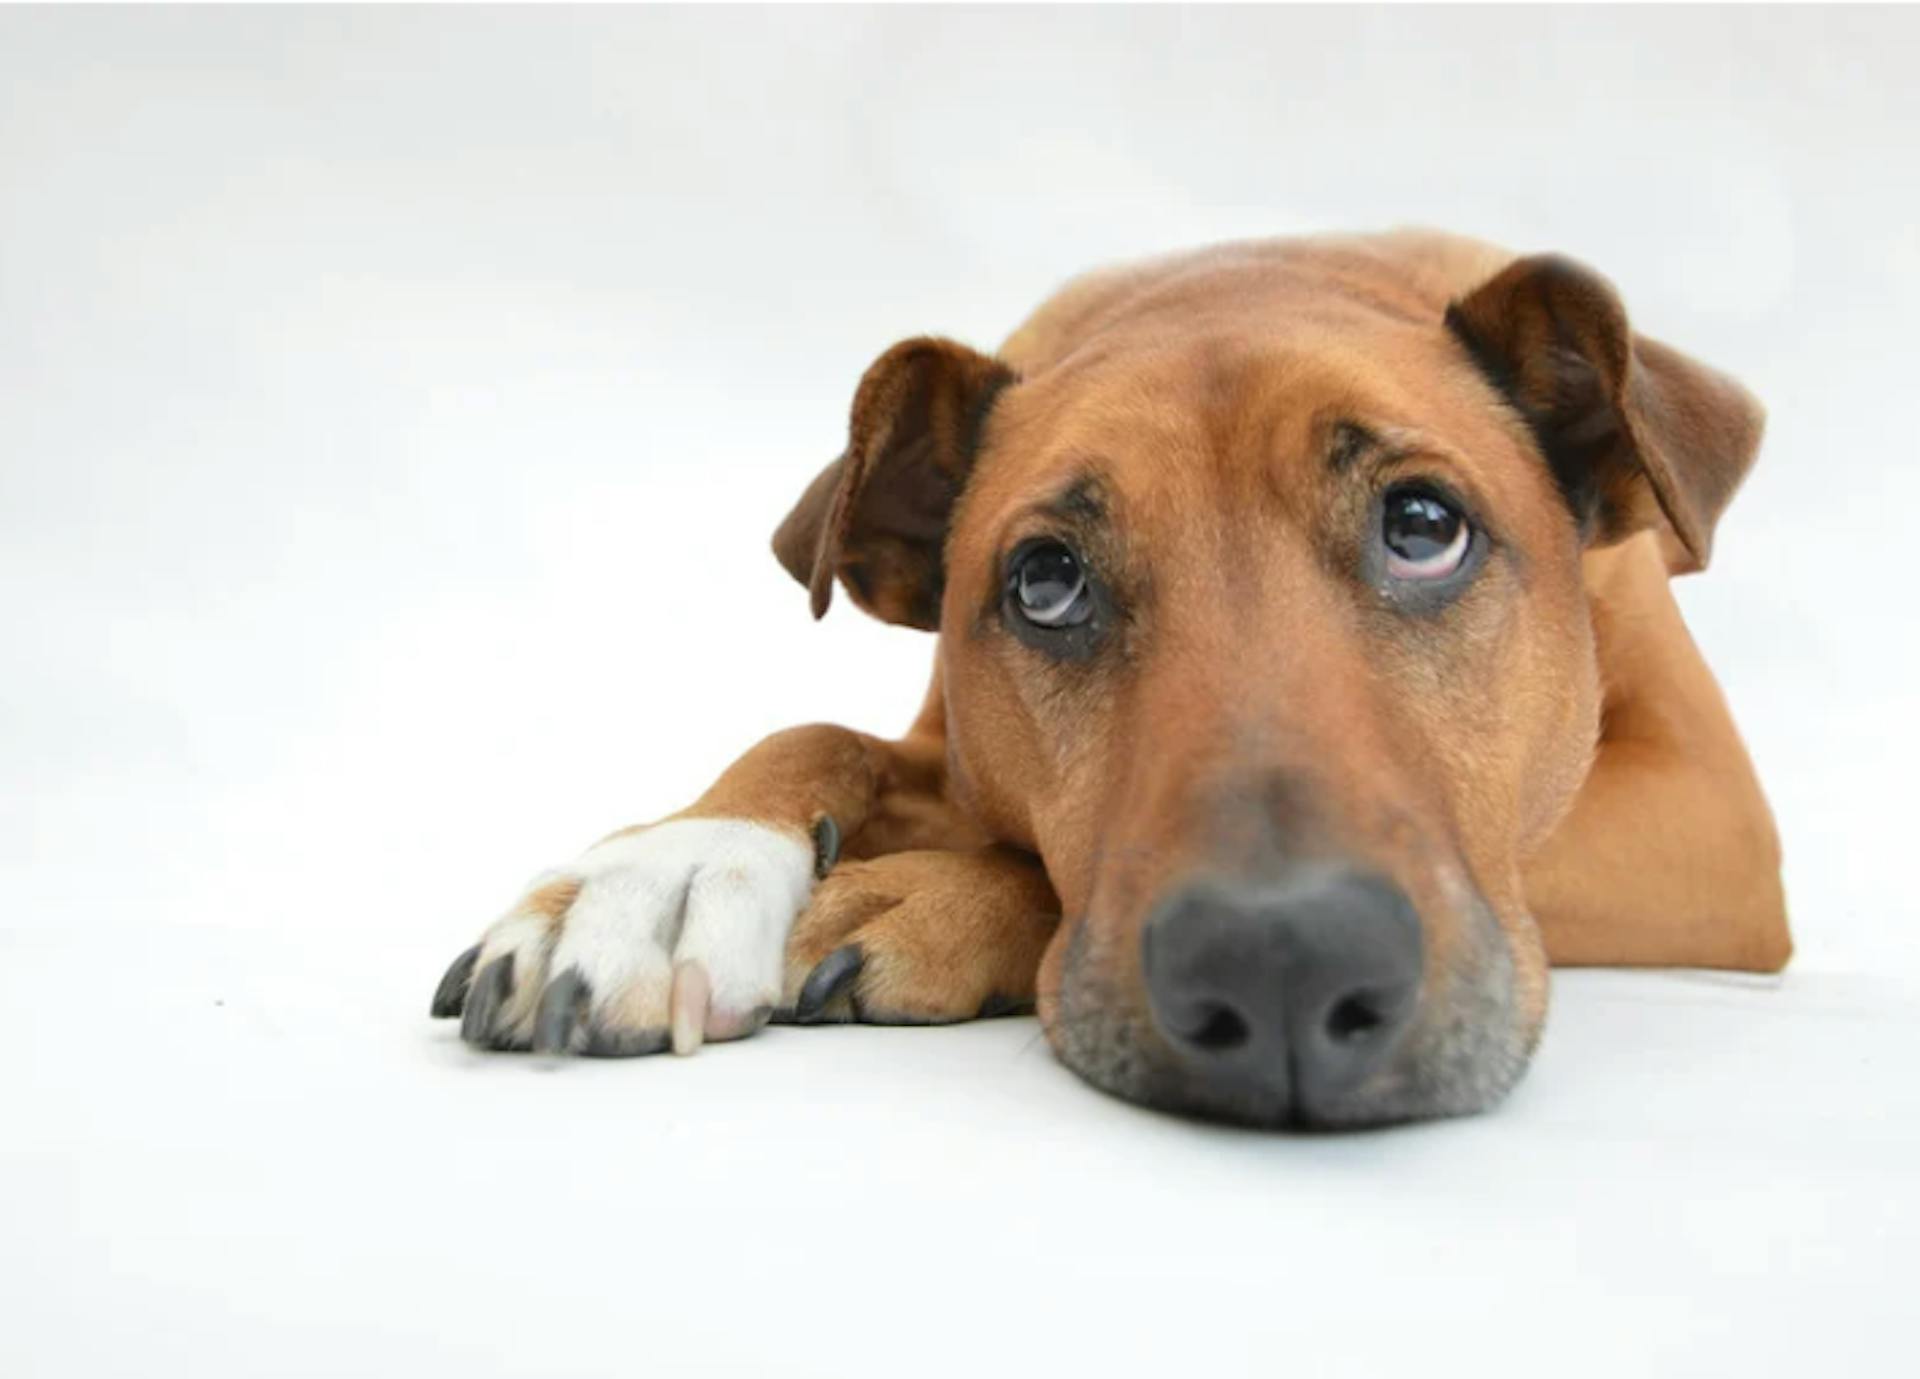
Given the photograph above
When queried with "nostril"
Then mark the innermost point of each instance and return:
(1353, 1018)
(1221, 1029)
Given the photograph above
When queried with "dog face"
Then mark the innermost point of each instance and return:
(1263, 623)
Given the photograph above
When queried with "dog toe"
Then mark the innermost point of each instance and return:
(492, 987)
(562, 1013)
(450, 997)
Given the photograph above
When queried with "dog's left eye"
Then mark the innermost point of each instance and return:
(1426, 536)
(1050, 587)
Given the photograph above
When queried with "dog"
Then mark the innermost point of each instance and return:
(1307, 681)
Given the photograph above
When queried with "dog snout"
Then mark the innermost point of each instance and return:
(1288, 992)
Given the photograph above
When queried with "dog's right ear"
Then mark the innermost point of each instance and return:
(877, 516)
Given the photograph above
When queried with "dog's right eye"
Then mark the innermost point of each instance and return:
(1048, 586)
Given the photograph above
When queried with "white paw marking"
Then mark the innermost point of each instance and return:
(720, 893)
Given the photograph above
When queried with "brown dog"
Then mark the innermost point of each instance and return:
(1305, 642)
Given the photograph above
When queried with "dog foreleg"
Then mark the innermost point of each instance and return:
(674, 933)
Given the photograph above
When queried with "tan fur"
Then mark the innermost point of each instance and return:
(551, 899)
(1668, 856)
(944, 933)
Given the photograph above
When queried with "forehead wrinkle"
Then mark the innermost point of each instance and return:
(1225, 371)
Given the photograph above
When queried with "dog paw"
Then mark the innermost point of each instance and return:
(666, 936)
(920, 938)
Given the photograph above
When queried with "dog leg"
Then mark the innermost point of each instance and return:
(674, 933)
(1668, 857)
(921, 937)
(1662, 863)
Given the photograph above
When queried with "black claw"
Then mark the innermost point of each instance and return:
(450, 997)
(826, 844)
(833, 976)
(624, 1043)
(490, 991)
(563, 1006)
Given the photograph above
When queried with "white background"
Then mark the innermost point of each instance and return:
(394, 408)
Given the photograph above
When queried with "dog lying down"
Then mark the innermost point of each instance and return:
(1306, 681)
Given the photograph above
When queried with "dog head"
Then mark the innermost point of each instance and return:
(1259, 590)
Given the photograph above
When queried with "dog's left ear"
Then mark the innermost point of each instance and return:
(877, 516)
(1638, 434)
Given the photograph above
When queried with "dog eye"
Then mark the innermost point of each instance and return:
(1050, 587)
(1426, 537)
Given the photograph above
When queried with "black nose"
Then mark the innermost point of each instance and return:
(1297, 989)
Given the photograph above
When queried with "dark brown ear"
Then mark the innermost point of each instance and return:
(877, 516)
(1638, 435)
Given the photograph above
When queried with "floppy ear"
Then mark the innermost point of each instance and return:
(877, 516)
(1637, 434)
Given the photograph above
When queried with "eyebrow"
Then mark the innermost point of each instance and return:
(1348, 441)
(1082, 502)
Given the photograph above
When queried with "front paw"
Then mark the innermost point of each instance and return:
(665, 936)
(920, 938)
